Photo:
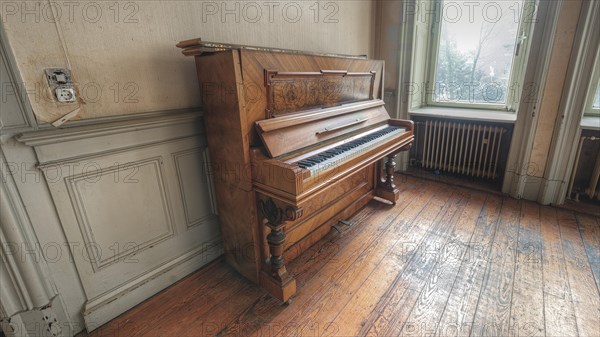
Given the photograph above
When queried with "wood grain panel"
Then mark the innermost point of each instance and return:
(254, 63)
(290, 92)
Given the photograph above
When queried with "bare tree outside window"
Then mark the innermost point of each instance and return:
(478, 41)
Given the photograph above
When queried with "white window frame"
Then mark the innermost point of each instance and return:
(425, 98)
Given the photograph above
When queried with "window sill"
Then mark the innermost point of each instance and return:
(469, 114)
(590, 122)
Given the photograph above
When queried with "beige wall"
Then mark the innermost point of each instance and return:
(388, 39)
(123, 55)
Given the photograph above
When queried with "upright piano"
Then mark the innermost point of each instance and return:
(297, 143)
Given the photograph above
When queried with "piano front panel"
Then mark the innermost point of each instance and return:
(322, 207)
(255, 63)
(290, 92)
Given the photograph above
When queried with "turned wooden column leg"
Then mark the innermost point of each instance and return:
(276, 240)
(386, 188)
(274, 276)
(390, 168)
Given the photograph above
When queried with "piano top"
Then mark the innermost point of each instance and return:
(196, 47)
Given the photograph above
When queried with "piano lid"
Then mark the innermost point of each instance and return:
(286, 134)
(196, 47)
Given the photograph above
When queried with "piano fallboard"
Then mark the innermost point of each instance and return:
(291, 133)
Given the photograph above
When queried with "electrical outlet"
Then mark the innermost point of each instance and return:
(59, 80)
(65, 94)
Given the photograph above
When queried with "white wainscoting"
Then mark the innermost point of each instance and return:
(136, 203)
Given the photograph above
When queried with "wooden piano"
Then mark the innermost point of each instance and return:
(295, 141)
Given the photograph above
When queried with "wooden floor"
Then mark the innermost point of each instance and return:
(444, 261)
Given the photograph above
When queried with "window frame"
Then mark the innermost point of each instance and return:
(517, 70)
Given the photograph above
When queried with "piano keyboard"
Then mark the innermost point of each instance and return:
(346, 151)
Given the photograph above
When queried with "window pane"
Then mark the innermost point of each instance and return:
(476, 50)
(596, 104)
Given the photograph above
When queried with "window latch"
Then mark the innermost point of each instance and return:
(520, 39)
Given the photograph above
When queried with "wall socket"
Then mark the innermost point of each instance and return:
(65, 94)
(59, 80)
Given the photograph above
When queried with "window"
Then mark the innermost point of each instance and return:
(477, 51)
(592, 107)
(596, 103)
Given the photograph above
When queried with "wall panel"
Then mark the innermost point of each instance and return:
(136, 206)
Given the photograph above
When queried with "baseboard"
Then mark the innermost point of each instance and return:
(100, 310)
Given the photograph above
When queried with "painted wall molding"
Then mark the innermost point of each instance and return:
(134, 199)
(26, 274)
(20, 112)
(77, 142)
(29, 301)
(519, 180)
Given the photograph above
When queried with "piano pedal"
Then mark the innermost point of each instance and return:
(338, 228)
(344, 222)
(383, 201)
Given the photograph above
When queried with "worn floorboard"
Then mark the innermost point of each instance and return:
(586, 299)
(445, 261)
(492, 313)
(527, 305)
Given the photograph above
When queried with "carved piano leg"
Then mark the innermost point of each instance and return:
(276, 279)
(386, 188)
(274, 276)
